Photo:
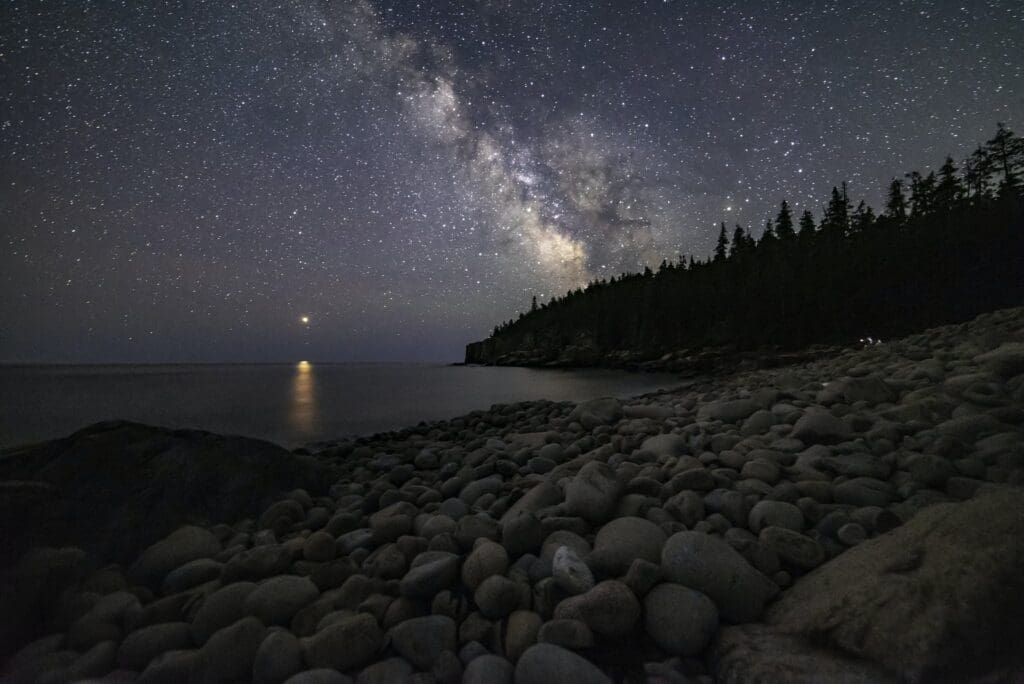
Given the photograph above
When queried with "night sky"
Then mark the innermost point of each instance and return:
(185, 181)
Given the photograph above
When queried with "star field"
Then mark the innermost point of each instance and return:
(184, 181)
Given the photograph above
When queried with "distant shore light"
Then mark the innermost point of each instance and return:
(304, 319)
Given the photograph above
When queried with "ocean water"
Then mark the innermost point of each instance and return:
(291, 404)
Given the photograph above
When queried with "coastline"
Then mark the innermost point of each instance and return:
(531, 540)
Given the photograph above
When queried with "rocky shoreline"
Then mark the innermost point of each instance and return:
(856, 518)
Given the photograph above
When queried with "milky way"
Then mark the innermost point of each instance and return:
(185, 181)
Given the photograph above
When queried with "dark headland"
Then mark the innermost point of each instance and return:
(855, 518)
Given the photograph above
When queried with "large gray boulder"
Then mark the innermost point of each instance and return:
(938, 599)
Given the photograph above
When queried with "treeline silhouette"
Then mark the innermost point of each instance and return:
(948, 245)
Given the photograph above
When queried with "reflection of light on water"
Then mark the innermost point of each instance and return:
(303, 408)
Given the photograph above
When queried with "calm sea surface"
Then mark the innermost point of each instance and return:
(288, 404)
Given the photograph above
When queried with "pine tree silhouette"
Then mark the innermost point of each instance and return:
(951, 249)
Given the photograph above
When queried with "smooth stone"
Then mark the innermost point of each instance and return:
(792, 547)
(863, 491)
(596, 412)
(488, 669)
(191, 574)
(547, 663)
(574, 634)
(521, 633)
(220, 609)
(851, 534)
(431, 572)
(487, 559)
(593, 493)
(775, 513)
(141, 646)
(421, 640)
(664, 446)
(258, 563)
(610, 609)
(229, 654)
(712, 567)
(817, 426)
(570, 573)
(680, 620)
(185, 544)
(278, 657)
(320, 675)
(497, 596)
(344, 645)
(728, 411)
(623, 540)
(319, 547)
(521, 534)
(276, 601)
(386, 671)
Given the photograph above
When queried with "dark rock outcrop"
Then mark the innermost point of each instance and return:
(115, 488)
